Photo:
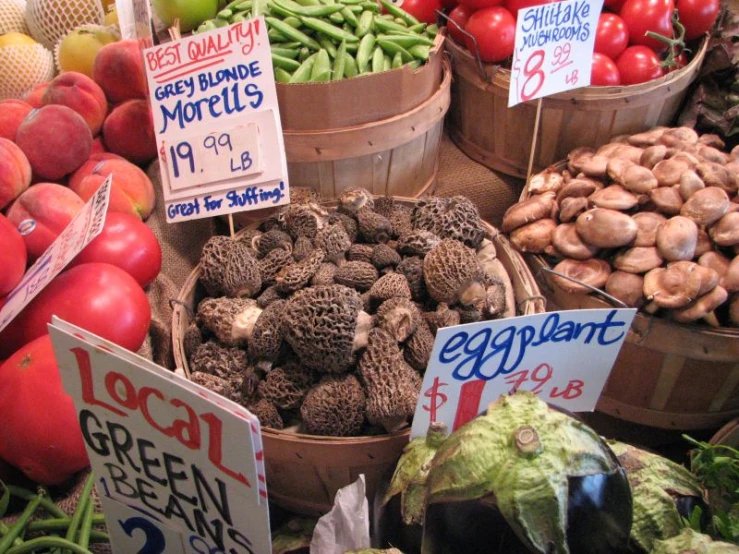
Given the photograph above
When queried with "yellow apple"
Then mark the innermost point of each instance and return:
(15, 39)
(111, 18)
(77, 50)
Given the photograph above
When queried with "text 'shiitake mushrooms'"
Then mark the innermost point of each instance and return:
(606, 228)
(325, 325)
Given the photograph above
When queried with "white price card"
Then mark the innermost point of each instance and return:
(86, 225)
(134, 20)
(178, 465)
(563, 357)
(553, 49)
(217, 122)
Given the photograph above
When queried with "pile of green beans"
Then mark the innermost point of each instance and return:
(330, 40)
(55, 530)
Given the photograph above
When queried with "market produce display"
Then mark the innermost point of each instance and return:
(649, 218)
(327, 317)
(635, 41)
(319, 42)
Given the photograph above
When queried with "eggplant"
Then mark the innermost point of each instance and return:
(525, 478)
(663, 493)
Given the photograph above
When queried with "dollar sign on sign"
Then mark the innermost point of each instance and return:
(437, 399)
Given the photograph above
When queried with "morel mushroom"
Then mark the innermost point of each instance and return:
(267, 336)
(272, 240)
(295, 276)
(450, 218)
(373, 227)
(287, 386)
(217, 359)
(324, 275)
(384, 256)
(334, 241)
(390, 285)
(398, 316)
(231, 320)
(228, 267)
(357, 275)
(351, 200)
(334, 407)
(303, 220)
(442, 317)
(412, 268)
(325, 325)
(453, 274)
(216, 384)
(417, 243)
(417, 349)
(266, 413)
(273, 262)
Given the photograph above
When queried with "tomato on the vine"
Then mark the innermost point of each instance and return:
(612, 36)
(698, 16)
(642, 16)
(514, 5)
(494, 30)
(639, 64)
(423, 10)
(481, 4)
(458, 18)
(604, 71)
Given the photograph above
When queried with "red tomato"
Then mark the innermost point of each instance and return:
(100, 298)
(642, 16)
(480, 4)
(514, 5)
(612, 36)
(614, 5)
(13, 256)
(449, 5)
(41, 435)
(459, 15)
(126, 242)
(494, 29)
(698, 16)
(423, 10)
(604, 71)
(639, 64)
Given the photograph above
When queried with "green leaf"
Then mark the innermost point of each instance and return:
(4, 499)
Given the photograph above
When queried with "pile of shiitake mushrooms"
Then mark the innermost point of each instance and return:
(652, 219)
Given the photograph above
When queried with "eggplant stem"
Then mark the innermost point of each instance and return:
(527, 440)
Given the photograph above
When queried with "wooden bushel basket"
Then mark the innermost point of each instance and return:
(489, 132)
(305, 471)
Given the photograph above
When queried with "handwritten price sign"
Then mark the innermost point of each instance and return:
(554, 49)
(179, 468)
(564, 357)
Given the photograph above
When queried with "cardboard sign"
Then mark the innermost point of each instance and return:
(217, 122)
(134, 20)
(177, 466)
(553, 49)
(564, 357)
(81, 230)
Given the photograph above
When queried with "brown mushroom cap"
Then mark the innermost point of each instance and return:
(647, 138)
(734, 310)
(690, 183)
(627, 287)
(638, 179)
(711, 154)
(712, 139)
(623, 150)
(706, 206)
(717, 175)
(677, 238)
(595, 166)
(704, 243)
(617, 167)
(606, 228)
(668, 172)
(638, 259)
(726, 230)
(652, 155)
(674, 286)
(614, 197)
(678, 135)
(549, 180)
(593, 272)
(535, 237)
(570, 208)
(568, 243)
(647, 224)
(577, 157)
(730, 279)
(701, 307)
(578, 187)
(532, 209)
(716, 261)
(667, 200)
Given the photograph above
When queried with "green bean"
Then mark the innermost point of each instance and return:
(308, 2)
(302, 74)
(349, 17)
(313, 11)
(352, 48)
(321, 70)
(356, 9)
(46, 503)
(275, 36)
(432, 30)
(420, 51)
(59, 523)
(288, 64)
(282, 75)
(86, 526)
(219, 23)
(364, 53)
(419, 28)
(339, 62)
(238, 5)
(371, 6)
(397, 61)
(336, 18)
(397, 12)
(364, 25)
(327, 44)
(293, 45)
(351, 2)
(238, 18)
(350, 65)
(293, 34)
(44, 543)
(393, 48)
(378, 59)
(303, 54)
(384, 25)
(387, 63)
(258, 7)
(20, 523)
(407, 40)
(334, 32)
(291, 53)
(84, 499)
(225, 13)
(293, 21)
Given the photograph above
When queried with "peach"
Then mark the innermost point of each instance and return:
(15, 172)
(34, 96)
(82, 94)
(41, 213)
(119, 70)
(98, 146)
(56, 141)
(129, 132)
(132, 192)
(13, 256)
(12, 112)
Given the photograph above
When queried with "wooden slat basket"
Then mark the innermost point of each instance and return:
(668, 375)
(305, 471)
(489, 132)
